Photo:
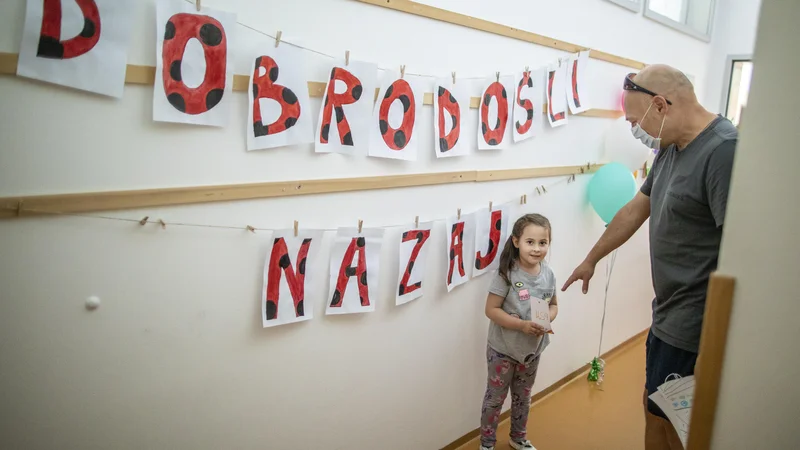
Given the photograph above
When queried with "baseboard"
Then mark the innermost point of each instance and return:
(553, 387)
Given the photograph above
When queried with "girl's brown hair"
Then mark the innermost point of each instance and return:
(510, 252)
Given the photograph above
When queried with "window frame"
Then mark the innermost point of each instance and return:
(631, 5)
(730, 60)
(682, 27)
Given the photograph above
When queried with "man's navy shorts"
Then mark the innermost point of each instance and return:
(664, 360)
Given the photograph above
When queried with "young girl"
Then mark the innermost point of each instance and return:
(515, 342)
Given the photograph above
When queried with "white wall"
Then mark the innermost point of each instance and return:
(175, 357)
(734, 33)
(759, 398)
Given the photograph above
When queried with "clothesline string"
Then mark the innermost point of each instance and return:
(147, 220)
(331, 56)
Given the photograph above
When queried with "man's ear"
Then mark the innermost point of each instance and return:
(660, 104)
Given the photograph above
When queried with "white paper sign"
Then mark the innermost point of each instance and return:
(83, 45)
(344, 117)
(279, 111)
(460, 244)
(556, 95)
(412, 262)
(289, 277)
(450, 109)
(354, 268)
(490, 237)
(395, 118)
(540, 313)
(194, 64)
(577, 83)
(494, 113)
(528, 104)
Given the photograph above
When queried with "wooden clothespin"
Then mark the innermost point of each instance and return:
(490, 205)
(544, 189)
(538, 191)
(296, 225)
(454, 78)
(163, 224)
(347, 58)
(582, 171)
(19, 208)
(416, 222)
(143, 222)
(360, 225)
(527, 69)
(588, 166)
(497, 76)
(278, 38)
(459, 213)
(197, 4)
(402, 71)
(250, 229)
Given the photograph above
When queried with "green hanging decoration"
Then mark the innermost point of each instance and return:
(597, 371)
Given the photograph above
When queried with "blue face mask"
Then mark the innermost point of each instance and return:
(648, 140)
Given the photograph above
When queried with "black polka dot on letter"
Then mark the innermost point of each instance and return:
(486, 99)
(347, 139)
(360, 242)
(384, 126)
(273, 74)
(405, 101)
(339, 114)
(50, 48)
(175, 70)
(301, 269)
(336, 298)
(169, 31)
(300, 309)
(400, 139)
(88, 28)
(177, 101)
(210, 35)
(255, 91)
(289, 122)
(492, 141)
(324, 132)
(272, 310)
(285, 262)
(389, 91)
(364, 278)
(455, 120)
(530, 114)
(503, 92)
(288, 96)
(356, 93)
(443, 144)
(484, 127)
(452, 99)
(442, 90)
(214, 97)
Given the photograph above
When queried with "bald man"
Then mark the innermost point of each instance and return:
(684, 196)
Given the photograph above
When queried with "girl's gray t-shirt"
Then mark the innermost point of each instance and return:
(515, 344)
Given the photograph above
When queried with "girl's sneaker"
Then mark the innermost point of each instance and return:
(524, 445)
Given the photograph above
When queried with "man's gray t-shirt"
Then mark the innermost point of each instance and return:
(523, 348)
(688, 191)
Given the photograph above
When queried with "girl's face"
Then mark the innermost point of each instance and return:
(533, 244)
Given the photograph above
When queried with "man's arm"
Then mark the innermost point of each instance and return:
(627, 220)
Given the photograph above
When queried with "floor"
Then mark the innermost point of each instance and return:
(582, 416)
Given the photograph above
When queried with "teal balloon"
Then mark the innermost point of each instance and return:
(611, 187)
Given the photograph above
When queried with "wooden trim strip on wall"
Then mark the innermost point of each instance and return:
(444, 15)
(116, 200)
(539, 396)
(708, 370)
(147, 75)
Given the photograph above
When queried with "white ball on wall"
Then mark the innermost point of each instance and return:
(92, 302)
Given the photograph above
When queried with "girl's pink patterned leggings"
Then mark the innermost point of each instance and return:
(505, 373)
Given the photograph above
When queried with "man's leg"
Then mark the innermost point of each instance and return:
(655, 432)
(662, 361)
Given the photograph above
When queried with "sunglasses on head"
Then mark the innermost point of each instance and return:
(629, 85)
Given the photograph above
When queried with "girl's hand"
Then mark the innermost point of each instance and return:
(532, 329)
